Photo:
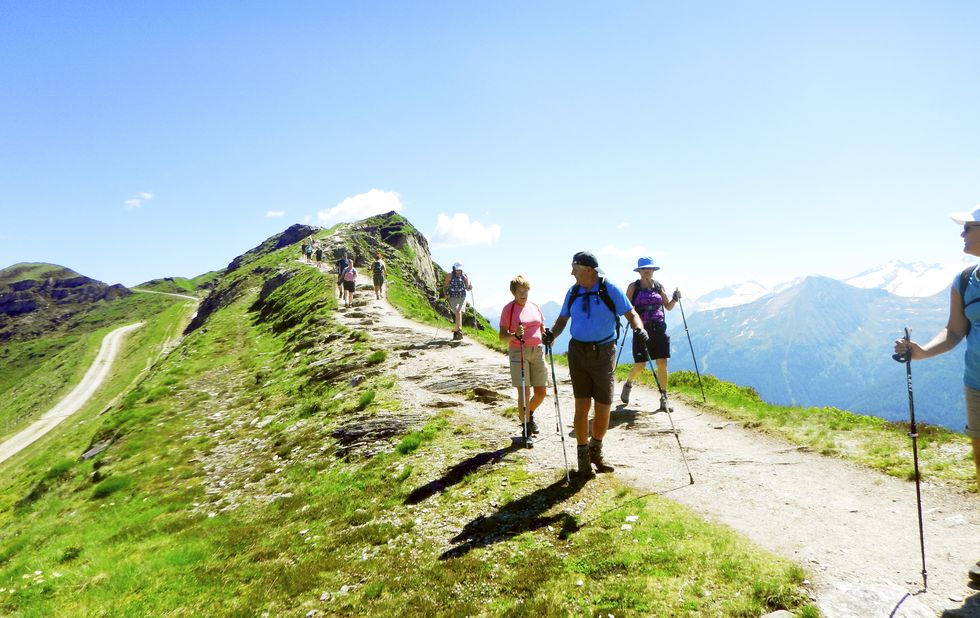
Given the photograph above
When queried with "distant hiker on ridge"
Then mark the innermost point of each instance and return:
(378, 271)
(521, 323)
(342, 265)
(649, 298)
(455, 286)
(963, 321)
(309, 251)
(592, 353)
(319, 256)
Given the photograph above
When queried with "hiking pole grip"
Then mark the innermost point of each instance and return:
(907, 357)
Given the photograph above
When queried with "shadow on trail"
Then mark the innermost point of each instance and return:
(969, 609)
(458, 472)
(516, 517)
(624, 415)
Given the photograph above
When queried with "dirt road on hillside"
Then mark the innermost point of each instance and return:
(853, 530)
(74, 400)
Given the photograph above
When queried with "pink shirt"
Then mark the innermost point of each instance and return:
(530, 316)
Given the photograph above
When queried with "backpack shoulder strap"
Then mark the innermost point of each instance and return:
(604, 295)
(636, 292)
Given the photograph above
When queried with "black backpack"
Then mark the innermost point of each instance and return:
(961, 285)
(377, 266)
(603, 295)
(657, 287)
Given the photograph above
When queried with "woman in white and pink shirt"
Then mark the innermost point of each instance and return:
(522, 319)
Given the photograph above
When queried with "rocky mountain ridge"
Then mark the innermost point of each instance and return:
(35, 295)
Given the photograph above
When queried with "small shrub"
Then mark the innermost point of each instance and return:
(59, 469)
(410, 443)
(365, 400)
(309, 408)
(110, 486)
(404, 474)
(71, 552)
(373, 590)
(378, 356)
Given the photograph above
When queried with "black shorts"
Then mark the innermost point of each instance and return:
(348, 286)
(591, 368)
(657, 347)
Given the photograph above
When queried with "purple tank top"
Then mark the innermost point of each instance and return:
(649, 305)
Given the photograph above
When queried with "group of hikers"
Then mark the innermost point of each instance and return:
(347, 271)
(592, 358)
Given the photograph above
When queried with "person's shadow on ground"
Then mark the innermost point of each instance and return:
(458, 472)
(969, 609)
(516, 517)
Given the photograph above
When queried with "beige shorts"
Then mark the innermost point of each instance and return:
(535, 373)
(972, 397)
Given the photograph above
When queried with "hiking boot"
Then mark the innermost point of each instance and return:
(663, 404)
(625, 395)
(584, 471)
(528, 441)
(532, 427)
(457, 335)
(595, 456)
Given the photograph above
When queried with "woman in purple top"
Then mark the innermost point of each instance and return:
(649, 299)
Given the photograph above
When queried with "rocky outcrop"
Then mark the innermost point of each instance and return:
(27, 295)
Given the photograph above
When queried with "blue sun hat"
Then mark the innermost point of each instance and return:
(645, 262)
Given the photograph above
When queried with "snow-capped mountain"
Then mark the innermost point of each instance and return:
(729, 296)
(916, 279)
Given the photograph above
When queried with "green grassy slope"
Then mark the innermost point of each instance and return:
(34, 270)
(243, 477)
(37, 372)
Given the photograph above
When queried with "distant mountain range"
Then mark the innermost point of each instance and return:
(817, 341)
(822, 342)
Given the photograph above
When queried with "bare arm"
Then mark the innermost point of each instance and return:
(633, 318)
(946, 339)
(559, 326)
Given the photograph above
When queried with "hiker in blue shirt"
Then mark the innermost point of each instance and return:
(963, 322)
(593, 305)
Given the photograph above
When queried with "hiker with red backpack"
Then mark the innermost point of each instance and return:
(593, 305)
(521, 325)
(649, 298)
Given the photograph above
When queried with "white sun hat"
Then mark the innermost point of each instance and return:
(966, 217)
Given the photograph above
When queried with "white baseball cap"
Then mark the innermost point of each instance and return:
(966, 217)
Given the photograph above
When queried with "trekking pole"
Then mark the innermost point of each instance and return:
(554, 382)
(522, 400)
(694, 358)
(907, 359)
(621, 346)
(677, 436)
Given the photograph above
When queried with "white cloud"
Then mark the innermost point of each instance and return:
(623, 225)
(625, 252)
(137, 201)
(459, 231)
(275, 213)
(374, 202)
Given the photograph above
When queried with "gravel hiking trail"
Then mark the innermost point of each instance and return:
(73, 401)
(855, 531)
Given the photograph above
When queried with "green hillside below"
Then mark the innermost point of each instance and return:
(235, 480)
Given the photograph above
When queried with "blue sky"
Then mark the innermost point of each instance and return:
(730, 140)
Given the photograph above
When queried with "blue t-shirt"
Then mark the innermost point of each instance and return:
(971, 374)
(592, 321)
